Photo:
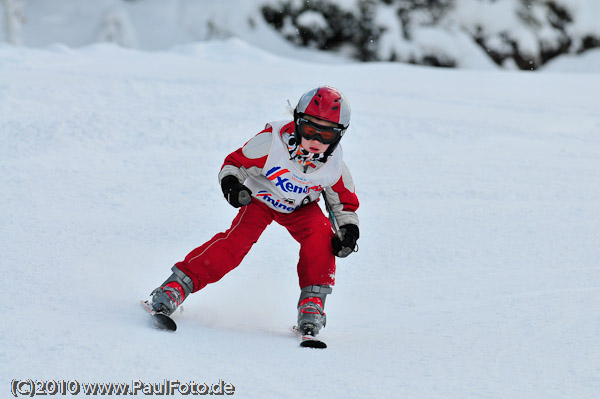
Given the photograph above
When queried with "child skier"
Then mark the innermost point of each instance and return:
(278, 176)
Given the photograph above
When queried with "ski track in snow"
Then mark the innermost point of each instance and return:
(477, 275)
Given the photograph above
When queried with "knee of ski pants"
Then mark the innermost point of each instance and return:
(212, 266)
(317, 237)
(215, 258)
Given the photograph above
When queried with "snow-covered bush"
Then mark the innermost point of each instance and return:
(513, 33)
(326, 25)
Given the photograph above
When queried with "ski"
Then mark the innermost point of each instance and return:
(161, 320)
(308, 340)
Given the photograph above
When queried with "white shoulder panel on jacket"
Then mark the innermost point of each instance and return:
(258, 146)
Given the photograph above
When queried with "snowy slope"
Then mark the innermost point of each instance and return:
(477, 274)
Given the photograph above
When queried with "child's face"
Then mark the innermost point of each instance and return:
(316, 146)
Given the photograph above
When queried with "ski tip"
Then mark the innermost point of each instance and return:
(164, 322)
(313, 343)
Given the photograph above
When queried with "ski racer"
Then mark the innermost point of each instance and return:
(279, 175)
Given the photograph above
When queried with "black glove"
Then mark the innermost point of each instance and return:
(235, 192)
(344, 241)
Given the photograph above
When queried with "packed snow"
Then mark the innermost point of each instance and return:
(477, 274)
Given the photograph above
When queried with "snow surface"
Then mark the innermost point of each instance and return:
(588, 62)
(477, 275)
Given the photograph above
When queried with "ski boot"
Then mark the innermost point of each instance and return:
(311, 316)
(167, 297)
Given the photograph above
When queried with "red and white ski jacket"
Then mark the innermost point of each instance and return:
(263, 164)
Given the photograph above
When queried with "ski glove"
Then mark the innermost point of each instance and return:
(344, 241)
(235, 192)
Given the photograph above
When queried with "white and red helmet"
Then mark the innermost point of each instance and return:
(325, 103)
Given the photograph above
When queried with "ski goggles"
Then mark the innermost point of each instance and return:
(313, 131)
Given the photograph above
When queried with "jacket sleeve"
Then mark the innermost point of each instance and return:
(250, 159)
(342, 198)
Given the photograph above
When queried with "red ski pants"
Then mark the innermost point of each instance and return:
(225, 251)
